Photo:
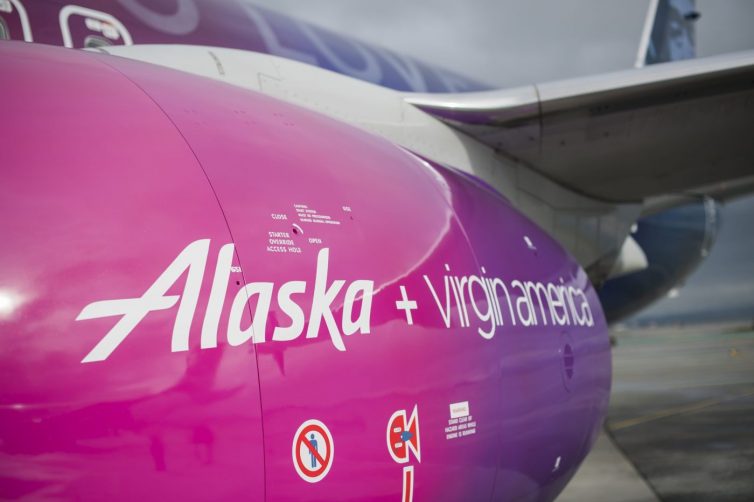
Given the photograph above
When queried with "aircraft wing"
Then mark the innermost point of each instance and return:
(664, 129)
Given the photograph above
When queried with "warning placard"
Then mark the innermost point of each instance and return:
(403, 436)
(313, 451)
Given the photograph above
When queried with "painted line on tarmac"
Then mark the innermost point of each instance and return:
(677, 410)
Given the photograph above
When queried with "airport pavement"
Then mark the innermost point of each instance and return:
(607, 475)
(681, 420)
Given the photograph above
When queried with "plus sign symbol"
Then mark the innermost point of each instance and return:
(406, 305)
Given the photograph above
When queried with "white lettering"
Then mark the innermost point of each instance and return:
(193, 258)
(361, 324)
(217, 297)
(323, 297)
(292, 310)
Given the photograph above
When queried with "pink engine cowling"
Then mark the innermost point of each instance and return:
(192, 272)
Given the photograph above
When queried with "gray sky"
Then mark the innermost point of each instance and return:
(507, 43)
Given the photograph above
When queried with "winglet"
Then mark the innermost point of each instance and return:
(669, 33)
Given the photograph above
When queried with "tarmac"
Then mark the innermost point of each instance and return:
(605, 475)
(681, 421)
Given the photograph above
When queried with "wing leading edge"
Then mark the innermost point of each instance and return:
(664, 129)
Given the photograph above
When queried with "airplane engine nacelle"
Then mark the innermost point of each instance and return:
(206, 293)
(675, 242)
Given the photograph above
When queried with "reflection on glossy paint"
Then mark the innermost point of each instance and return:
(151, 424)
(9, 303)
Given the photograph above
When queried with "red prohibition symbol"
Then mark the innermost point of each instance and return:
(313, 451)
